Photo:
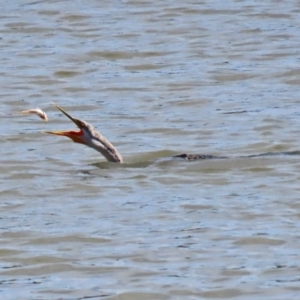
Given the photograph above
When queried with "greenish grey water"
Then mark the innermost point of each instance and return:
(157, 79)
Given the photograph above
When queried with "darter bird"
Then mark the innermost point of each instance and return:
(89, 136)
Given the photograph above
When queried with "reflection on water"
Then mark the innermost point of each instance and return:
(157, 79)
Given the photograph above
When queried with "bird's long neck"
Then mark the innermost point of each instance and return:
(104, 146)
(107, 150)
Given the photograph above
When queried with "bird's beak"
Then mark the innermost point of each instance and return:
(76, 136)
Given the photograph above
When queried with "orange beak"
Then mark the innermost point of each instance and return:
(76, 136)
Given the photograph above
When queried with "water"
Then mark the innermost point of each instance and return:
(157, 80)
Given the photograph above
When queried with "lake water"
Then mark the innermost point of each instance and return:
(156, 79)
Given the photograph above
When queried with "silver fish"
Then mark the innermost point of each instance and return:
(36, 111)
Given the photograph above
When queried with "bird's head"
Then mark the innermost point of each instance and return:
(78, 136)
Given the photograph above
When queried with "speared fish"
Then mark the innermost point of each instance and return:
(36, 111)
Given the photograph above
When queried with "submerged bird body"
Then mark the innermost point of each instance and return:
(198, 156)
(89, 136)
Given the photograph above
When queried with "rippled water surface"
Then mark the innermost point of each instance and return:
(157, 78)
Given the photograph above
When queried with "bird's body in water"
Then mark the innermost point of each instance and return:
(198, 156)
(89, 136)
